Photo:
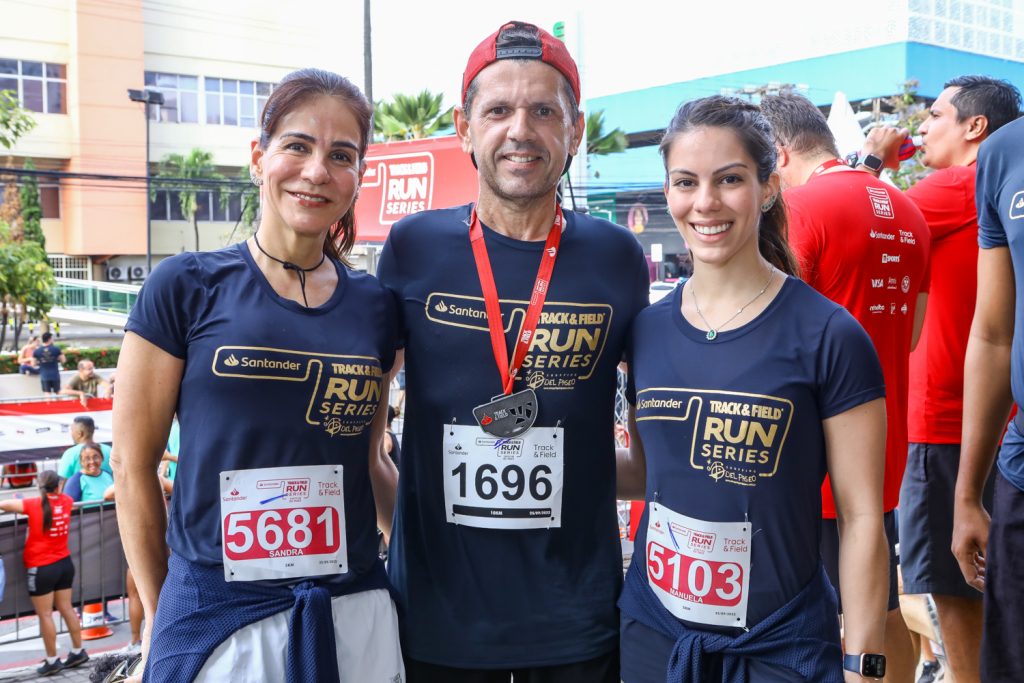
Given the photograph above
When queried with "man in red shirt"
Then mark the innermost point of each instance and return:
(967, 111)
(864, 245)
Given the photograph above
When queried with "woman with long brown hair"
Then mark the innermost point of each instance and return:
(746, 386)
(273, 352)
(49, 568)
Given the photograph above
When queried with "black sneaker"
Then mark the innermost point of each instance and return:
(48, 669)
(73, 659)
(930, 672)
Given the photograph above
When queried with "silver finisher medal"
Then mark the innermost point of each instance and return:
(507, 416)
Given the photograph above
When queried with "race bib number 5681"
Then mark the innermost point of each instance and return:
(283, 522)
(699, 570)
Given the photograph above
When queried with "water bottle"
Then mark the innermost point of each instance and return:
(909, 146)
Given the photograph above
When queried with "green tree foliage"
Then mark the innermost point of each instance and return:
(245, 223)
(31, 209)
(179, 173)
(15, 121)
(600, 142)
(909, 112)
(26, 283)
(410, 117)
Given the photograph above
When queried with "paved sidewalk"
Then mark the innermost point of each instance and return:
(18, 661)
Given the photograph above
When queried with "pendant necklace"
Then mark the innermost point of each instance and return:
(299, 270)
(712, 333)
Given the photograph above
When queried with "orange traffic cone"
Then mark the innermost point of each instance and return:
(94, 624)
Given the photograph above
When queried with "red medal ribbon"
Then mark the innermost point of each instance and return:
(831, 163)
(490, 291)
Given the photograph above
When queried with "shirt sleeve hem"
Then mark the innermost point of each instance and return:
(852, 401)
(155, 338)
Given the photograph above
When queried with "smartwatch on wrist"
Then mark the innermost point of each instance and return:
(867, 665)
(872, 162)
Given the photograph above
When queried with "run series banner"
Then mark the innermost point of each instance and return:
(41, 430)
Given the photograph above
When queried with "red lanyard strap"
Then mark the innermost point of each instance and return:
(493, 307)
(831, 163)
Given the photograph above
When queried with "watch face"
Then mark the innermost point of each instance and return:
(872, 666)
(872, 162)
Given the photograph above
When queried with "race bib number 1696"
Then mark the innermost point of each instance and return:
(503, 483)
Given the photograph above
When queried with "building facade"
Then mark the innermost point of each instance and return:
(927, 41)
(72, 62)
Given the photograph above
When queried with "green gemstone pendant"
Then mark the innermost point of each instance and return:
(711, 335)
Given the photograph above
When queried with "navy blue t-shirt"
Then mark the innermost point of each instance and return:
(1000, 199)
(496, 598)
(258, 389)
(49, 362)
(732, 428)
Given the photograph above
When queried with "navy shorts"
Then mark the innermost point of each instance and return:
(926, 522)
(50, 386)
(603, 669)
(1002, 658)
(51, 577)
(829, 549)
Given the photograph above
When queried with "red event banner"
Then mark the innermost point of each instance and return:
(40, 430)
(403, 178)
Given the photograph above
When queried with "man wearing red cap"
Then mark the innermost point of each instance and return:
(515, 314)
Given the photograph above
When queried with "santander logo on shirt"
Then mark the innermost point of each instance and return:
(1017, 206)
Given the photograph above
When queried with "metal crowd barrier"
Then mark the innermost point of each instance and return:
(100, 568)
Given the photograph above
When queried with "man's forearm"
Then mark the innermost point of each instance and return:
(987, 403)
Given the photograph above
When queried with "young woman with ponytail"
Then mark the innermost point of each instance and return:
(273, 352)
(49, 569)
(746, 387)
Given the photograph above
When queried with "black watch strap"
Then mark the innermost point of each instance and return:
(867, 665)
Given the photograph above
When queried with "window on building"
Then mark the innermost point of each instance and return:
(76, 267)
(231, 102)
(166, 206)
(181, 97)
(39, 86)
(49, 196)
(49, 199)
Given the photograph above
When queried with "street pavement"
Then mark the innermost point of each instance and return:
(19, 660)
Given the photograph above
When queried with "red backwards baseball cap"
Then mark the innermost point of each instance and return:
(530, 43)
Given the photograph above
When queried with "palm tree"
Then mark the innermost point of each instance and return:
(600, 142)
(181, 173)
(411, 117)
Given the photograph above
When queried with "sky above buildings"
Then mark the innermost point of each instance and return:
(620, 46)
(626, 45)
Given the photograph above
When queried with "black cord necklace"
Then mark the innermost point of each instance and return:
(288, 265)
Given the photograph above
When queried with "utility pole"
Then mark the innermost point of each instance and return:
(149, 97)
(367, 53)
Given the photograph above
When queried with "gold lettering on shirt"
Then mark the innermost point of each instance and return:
(344, 390)
(565, 348)
(736, 437)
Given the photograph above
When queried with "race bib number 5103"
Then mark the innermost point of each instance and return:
(503, 482)
(699, 570)
(283, 522)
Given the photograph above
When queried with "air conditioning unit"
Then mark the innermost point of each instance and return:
(137, 273)
(117, 274)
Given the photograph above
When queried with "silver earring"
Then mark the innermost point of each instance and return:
(256, 180)
(767, 206)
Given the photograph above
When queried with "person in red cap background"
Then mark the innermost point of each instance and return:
(505, 550)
